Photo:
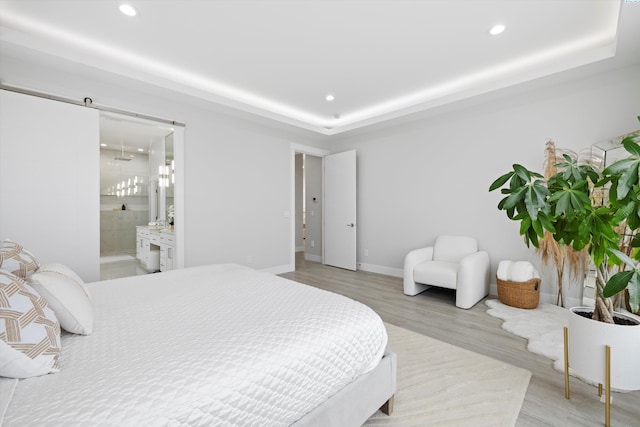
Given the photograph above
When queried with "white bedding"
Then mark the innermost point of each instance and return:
(219, 345)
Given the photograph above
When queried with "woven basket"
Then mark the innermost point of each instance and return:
(519, 294)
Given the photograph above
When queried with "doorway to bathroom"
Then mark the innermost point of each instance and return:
(137, 190)
(308, 207)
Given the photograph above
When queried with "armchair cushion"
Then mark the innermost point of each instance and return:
(437, 273)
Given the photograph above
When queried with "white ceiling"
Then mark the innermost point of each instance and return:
(279, 59)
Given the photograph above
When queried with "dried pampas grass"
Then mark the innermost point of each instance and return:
(549, 249)
(561, 255)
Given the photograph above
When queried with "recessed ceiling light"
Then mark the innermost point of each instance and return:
(141, 150)
(128, 10)
(497, 29)
(103, 145)
(329, 97)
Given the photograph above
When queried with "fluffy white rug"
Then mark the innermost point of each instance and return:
(543, 327)
(443, 385)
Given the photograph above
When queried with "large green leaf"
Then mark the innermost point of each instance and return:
(624, 212)
(634, 293)
(563, 203)
(538, 228)
(624, 258)
(535, 198)
(627, 180)
(631, 146)
(542, 193)
(501, 181)
(546, 222)
(513, 199)
(523, 173)
(532, 237)
(618, 167)
(617, 283)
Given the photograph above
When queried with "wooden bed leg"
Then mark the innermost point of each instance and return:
(387, 408)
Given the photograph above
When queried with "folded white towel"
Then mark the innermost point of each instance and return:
(522, 271)
(536, 274)
(516, 271)
(504, 268)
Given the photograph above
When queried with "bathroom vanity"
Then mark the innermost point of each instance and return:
(155, 248)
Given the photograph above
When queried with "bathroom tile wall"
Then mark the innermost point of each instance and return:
(118, 230)
(117, 226)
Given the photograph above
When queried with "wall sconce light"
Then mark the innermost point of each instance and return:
(163, 176)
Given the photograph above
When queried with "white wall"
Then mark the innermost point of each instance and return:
(237, 171)
(50, 182)
(431, 176)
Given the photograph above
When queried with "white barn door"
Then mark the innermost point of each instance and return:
(50, 180)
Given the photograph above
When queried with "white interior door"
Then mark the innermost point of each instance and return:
(340, 210)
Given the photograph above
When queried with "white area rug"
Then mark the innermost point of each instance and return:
(443, 385)
(543, 327)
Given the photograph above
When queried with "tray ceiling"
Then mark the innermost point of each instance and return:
(280, 59)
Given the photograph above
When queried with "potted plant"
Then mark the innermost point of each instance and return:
(592, 210)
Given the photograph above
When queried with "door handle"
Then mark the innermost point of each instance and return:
(351, 225)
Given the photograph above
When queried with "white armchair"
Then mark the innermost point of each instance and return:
(453, 262)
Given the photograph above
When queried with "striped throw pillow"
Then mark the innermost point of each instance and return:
(29, 331)
(15, 259)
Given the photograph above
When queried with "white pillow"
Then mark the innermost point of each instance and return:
(15, 259)
(29, 330)
(67, 296)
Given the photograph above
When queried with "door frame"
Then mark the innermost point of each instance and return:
(178, 158)
(312, 151)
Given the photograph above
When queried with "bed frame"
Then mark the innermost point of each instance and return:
(355, 403)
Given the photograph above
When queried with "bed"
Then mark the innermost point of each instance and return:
(220, 345)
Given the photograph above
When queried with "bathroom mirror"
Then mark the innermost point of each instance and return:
(600, 155)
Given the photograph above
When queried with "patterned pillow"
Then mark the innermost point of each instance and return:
(67, 296)
(29, 331)
(15, 259)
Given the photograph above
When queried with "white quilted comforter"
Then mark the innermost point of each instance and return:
(219, 345)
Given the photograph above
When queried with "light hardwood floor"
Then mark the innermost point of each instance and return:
(433, 313)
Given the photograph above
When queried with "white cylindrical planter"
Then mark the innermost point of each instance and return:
(587, 341)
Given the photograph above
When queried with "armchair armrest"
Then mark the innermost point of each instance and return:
(412, 259)
(473, 279)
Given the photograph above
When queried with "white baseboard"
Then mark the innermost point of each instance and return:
(299, 248)
(389, 271)
(314, 258)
